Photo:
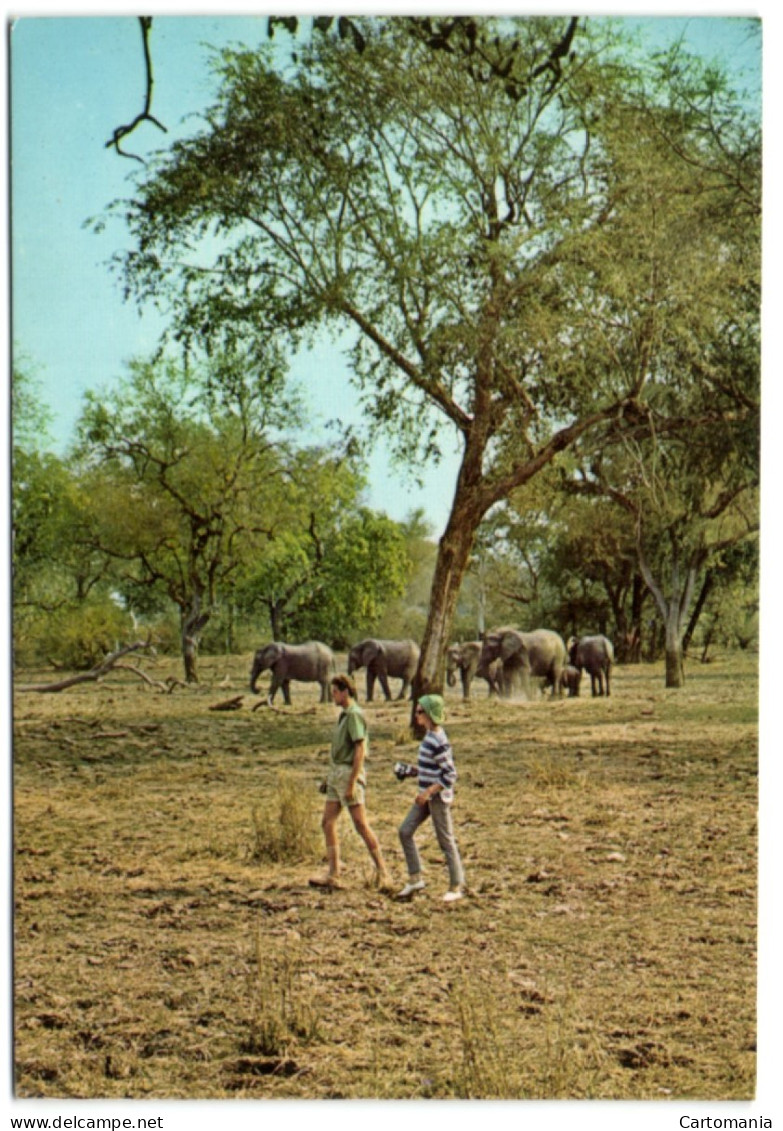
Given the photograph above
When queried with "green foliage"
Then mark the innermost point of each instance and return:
(537, 238)
(76, 637)
(184, 493)
(30, 418)
(405, 616)
(54, 566)
(187, 481)
(364, 566)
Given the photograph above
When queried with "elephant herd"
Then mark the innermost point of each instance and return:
(509, 661)
(314, 663)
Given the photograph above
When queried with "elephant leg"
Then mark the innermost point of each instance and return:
(607, 683)
(403, 689)
(465, 685)
(370, 684)
(325, 691)
(286, 685)
(274, 685)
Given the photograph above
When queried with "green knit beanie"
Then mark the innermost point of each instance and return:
(433, 706)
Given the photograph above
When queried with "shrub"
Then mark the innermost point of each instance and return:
(74, 638)
(286, 830)
(283, 1008)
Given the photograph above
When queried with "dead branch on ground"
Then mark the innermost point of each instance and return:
(94, 675)
(282, 710)
(234, 704)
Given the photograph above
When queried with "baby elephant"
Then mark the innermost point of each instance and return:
(595, 655)
(570, 678)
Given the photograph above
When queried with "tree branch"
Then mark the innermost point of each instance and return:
(122, 132)
(92, 676)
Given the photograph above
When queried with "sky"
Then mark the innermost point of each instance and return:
(74, 79)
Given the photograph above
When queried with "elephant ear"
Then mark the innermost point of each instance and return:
(510, 645)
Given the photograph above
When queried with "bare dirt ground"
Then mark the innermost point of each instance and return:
(606, 949)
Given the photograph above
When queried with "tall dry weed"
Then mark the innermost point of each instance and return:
(284, 1010)
(286, 830)
(573, 1061)
(550, 772)
(489, 1067)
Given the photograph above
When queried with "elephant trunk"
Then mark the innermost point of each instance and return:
(258, 667)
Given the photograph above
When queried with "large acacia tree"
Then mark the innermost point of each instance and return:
(473, 210)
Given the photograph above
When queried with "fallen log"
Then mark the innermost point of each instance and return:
(234, 704)
(143, 675)
(283, 710)
(94, 675)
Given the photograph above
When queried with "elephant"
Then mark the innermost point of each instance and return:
(384, 658)
(541, 653)
(570, 679)
(466, 659)
(309, 663)
(596, 655)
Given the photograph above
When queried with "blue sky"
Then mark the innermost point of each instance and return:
(73, 80)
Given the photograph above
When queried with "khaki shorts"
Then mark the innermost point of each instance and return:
(337, 782)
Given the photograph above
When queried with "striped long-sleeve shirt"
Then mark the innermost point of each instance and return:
(436, 763)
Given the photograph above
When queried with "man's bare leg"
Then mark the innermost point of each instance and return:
(362, 826)
(329, 820)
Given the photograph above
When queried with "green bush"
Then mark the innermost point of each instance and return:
(74, 638)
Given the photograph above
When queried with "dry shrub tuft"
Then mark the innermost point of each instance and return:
(551, 772)
(489, 1068)
(497, 1063)
(283, 1007)
(286, 831)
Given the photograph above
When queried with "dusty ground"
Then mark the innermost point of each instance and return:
(606, 950)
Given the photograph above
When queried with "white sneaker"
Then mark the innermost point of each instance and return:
(410, 888)
(451, 896)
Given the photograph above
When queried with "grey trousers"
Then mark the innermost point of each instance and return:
(440, 812)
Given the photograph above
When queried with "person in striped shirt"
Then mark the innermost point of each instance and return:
(436, 774)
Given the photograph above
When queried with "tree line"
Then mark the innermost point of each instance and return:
(159, 511)
(539, 237)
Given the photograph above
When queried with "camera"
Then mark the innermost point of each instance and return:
(404, 770)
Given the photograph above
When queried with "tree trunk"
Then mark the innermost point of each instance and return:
(193, 622)
(639, 593)
(231, 643)
(276, 618)
(673, 610)
(452, 562)
(675, 670)
(706, 589)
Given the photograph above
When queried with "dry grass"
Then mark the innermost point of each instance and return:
(167, 943)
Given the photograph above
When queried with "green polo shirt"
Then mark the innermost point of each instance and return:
(350, 728)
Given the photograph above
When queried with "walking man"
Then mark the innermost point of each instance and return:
(345, 785)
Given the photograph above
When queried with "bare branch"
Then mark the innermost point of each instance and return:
(93, 675)
(122, 132)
